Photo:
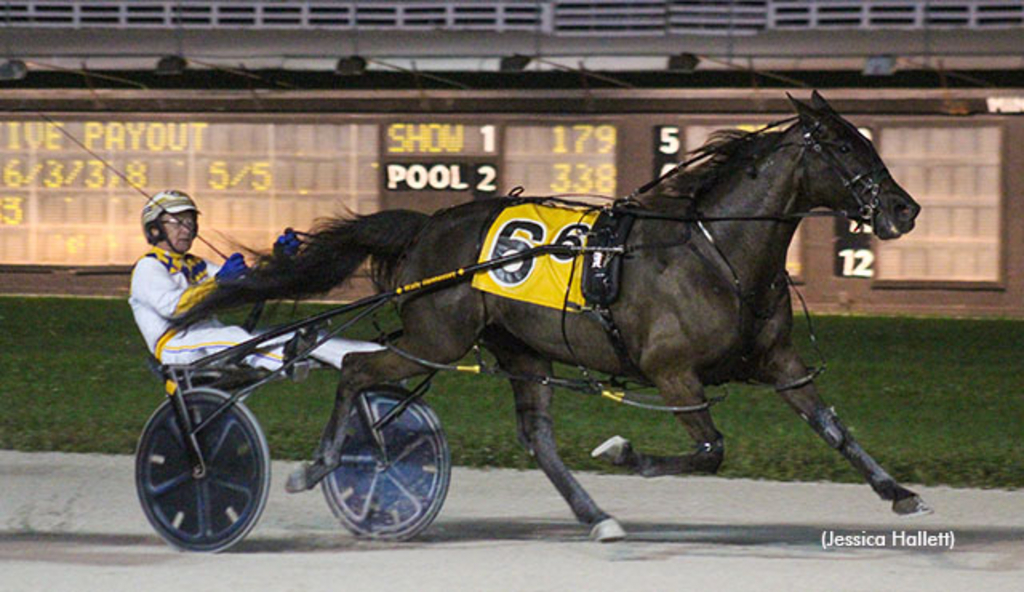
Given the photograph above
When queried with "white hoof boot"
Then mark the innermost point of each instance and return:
(607, 531)
(613, 449)
(911, 506)
(296, 482)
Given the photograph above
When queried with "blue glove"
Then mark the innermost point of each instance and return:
(234, 267)
(287, 244)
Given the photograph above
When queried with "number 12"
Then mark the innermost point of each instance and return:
(857, 262)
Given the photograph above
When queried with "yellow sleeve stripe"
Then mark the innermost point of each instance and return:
(193, 294)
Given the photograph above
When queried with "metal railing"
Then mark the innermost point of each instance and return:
(496, 15)
(593, 18)
(887, 14)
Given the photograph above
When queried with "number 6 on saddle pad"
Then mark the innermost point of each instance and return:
(554, 280)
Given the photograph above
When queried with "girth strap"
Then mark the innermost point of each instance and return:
(604, 316)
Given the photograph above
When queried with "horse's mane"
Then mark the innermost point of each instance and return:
(724, 153)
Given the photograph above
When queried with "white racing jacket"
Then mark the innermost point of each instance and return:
(166, 284)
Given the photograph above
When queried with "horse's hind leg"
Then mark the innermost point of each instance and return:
(804, 400)
(360, 370)
(536, 432)
(684, 391)
(439, 327)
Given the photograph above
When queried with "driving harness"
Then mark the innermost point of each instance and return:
(602, 277)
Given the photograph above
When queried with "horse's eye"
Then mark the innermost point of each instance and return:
(845, 148)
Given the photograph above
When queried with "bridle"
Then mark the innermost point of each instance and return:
(865, 187)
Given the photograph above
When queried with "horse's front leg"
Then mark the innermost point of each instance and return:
(786, 371)
(677, 391)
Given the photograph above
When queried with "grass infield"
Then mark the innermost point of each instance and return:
(935, 401)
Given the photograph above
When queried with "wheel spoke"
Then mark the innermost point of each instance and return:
(364, 512)
(203, 510)
(170, 485)
(412, 497)
(175, 429)
(225, 430)
(410, 448)
(243, 488)
(375, 414)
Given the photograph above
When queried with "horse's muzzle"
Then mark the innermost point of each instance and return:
(896, 214)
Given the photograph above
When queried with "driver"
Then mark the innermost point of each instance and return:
(168, 280)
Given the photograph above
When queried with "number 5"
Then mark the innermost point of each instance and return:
(668, 139)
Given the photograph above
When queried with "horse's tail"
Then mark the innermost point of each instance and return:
(329, 255)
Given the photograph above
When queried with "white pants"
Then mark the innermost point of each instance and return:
(205, 339)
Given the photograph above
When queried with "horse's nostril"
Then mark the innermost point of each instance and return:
(904, 211)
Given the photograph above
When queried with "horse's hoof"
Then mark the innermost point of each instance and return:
(607, 531)
(911, 506)
(297, 482)
(613, 450)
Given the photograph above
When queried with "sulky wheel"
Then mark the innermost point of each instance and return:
(210, 512)
(395, 494)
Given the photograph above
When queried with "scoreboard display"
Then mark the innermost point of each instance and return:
(427, 165)
(574, 159)
(73, 182)
(62, 205)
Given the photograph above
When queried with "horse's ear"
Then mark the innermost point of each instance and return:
(820, 103)
(808, 114)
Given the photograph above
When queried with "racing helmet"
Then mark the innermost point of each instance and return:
(169, 201)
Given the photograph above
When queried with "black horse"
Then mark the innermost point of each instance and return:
(711, 305)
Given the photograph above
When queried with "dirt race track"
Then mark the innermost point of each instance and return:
(73, 522)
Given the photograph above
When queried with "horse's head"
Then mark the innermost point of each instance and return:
(845, 173)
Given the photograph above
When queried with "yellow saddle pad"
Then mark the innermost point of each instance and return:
(542, 279)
